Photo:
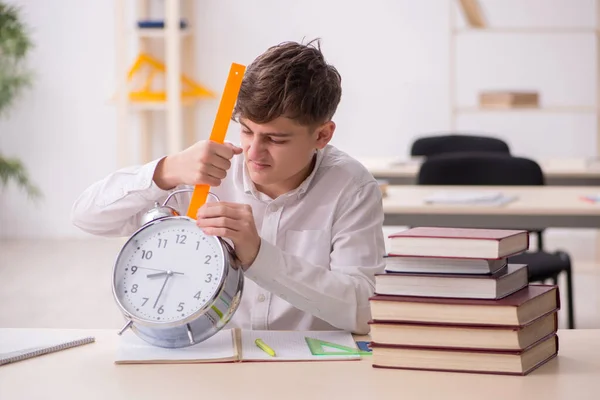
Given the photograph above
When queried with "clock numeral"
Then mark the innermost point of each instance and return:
(133, 270)
(145, 301)
(147, 254)
(197, 245)
(181, 239)
(180, 308)
(197, 296)
(208, 258)
(160, 310)
(208, 278)
(162, 243)
(134, 288)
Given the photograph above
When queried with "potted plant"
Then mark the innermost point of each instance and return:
(14, 78)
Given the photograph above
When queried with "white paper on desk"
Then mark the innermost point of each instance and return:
(292, 346)
(469, 197)
(133, 349)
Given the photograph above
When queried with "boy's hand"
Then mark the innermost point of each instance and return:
(233, 221)
(205, 162)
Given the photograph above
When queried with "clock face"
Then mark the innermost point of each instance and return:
(168, 271)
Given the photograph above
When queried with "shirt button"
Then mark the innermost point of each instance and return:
(261, 298)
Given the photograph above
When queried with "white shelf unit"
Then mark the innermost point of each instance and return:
(179, 58)
(455, 31)
(159, 33)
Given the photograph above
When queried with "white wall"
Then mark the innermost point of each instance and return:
(62, 129)
(393, 56)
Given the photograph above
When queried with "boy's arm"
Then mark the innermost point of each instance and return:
(339, 296)
(113, 206)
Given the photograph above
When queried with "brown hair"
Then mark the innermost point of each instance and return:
(291, 80)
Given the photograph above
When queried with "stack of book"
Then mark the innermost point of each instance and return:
(450, 301)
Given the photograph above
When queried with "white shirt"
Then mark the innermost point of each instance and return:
(322, 243)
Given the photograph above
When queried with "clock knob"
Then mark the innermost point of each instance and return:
(158, 212)
(163, 210)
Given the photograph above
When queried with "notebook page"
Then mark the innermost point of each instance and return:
(132, 349)
(292, 346)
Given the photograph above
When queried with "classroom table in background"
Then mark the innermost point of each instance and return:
(88, 372)
(558, 171)
(535, 207)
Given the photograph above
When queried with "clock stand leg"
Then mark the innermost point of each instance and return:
(189, 332)
(127, 326)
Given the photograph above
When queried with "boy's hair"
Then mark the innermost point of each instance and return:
(290, 80)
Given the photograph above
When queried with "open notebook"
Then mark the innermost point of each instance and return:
(233, 345)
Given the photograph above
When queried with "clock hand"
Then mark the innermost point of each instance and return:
(153, 269)
(156, 269)
(157, 274)
(162, 288)
(163, 273)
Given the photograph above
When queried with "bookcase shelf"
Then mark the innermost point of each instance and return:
(160, 33)
(543, 109)
(179, 59)
(473, 16)
(157, 105)
(526, 30)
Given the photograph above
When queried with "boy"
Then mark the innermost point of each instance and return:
(305, 218)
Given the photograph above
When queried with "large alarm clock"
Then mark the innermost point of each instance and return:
(175, 285)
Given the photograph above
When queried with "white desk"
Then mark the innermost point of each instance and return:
(88, 372)
(536, 207)
(561, 172)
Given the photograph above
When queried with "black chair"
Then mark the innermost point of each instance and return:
(475, 168)
(435, 145)
(479, 168)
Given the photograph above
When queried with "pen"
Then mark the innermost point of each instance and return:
(263, 346)
(587, 199)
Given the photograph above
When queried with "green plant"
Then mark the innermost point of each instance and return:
(14, 78)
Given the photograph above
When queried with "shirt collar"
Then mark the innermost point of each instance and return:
(250, 188)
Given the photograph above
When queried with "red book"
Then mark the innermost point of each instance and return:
(465, 337)
(484, 361)
(517, 309)
(458, 242)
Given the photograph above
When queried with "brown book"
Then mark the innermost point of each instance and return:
(458, 242)
(443, 265)
(495, 286)
(520, 362)
(464, 337)
(518, 309)
(508, 99)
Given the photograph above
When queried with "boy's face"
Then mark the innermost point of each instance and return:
(279, 154)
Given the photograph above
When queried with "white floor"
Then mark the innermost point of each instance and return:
(67, 283)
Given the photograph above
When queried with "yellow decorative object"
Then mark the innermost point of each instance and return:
(190, 89)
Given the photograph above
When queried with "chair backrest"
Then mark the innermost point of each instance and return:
(435, 145)
(476, 168)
